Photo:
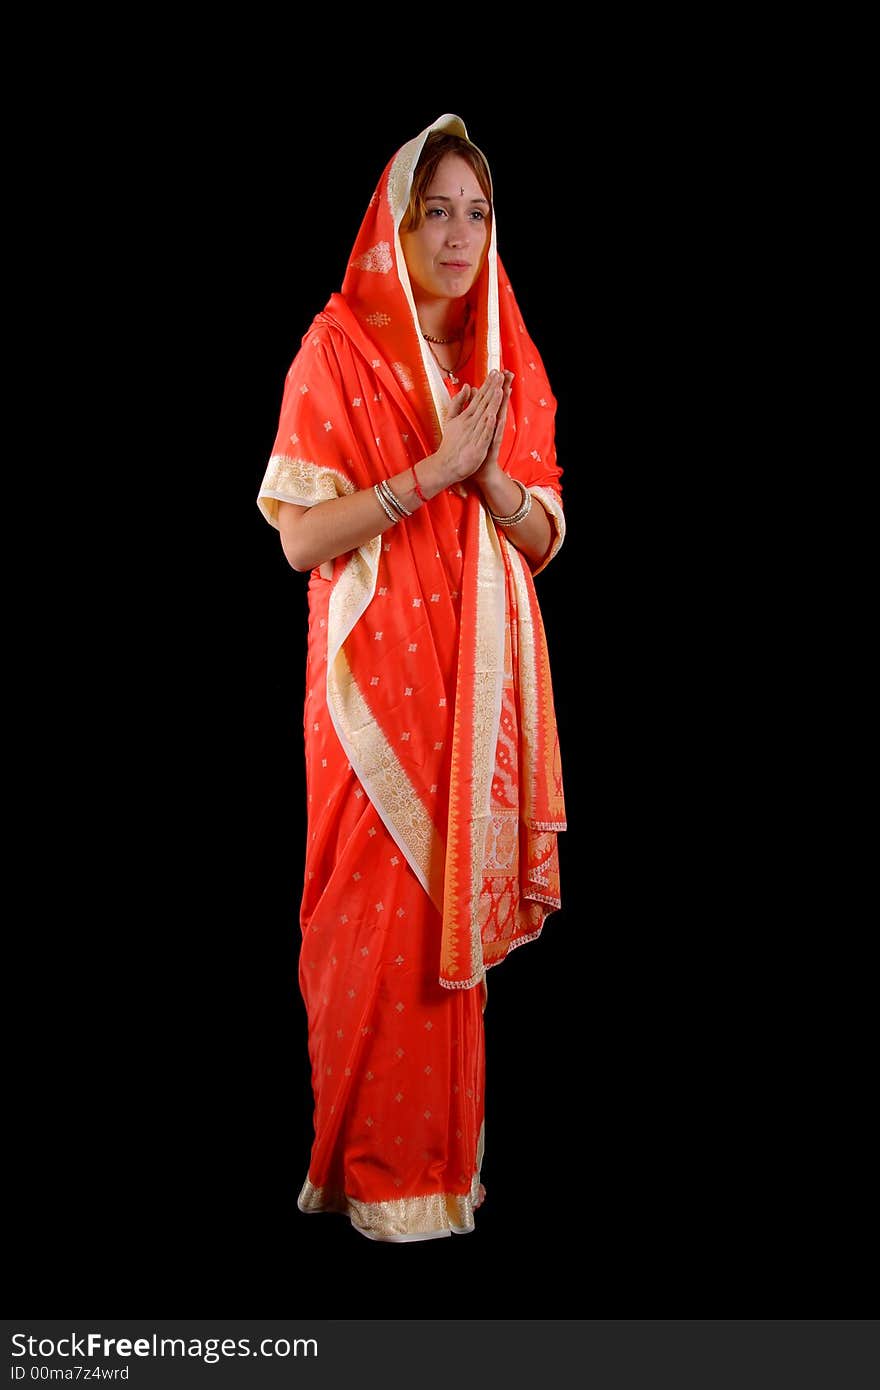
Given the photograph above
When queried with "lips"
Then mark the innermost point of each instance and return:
(456, 265)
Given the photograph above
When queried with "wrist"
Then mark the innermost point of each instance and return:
(432, 476)
(487, 477)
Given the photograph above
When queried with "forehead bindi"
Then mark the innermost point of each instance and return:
(454, 178)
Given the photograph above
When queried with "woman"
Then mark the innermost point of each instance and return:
(414, 476)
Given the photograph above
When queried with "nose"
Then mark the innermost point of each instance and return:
(458, 232)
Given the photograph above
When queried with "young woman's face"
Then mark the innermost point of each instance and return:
(444, 255)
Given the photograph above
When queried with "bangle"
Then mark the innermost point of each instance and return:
(421, 496)
(389, 512)
(392, 499)
(521, 512)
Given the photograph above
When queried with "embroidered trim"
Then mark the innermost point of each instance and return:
(298, 480)
(401, 1219)
(553, 507)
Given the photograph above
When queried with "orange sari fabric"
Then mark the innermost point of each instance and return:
(433, 776)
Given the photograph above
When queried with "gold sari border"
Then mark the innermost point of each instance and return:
(401, 1219)
(553, 903)
(300, 481)
(553, 507)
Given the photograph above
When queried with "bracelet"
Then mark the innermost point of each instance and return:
(421, 496)
(521, 512)
(389, 512)
(392, 499)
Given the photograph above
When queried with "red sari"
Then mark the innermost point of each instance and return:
(432, 763)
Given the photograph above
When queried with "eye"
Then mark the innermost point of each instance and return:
(479, 214)
(440, 212)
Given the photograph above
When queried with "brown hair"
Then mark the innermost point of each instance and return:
(438, 144)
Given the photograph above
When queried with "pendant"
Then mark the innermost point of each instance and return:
(452, 378)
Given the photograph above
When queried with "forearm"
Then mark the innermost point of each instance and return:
(533, 535)
(312, 535)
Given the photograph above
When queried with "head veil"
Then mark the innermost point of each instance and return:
(378, 289)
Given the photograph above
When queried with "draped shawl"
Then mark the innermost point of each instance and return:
(438, 686)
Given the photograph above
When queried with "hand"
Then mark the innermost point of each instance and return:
(491, 460)
(470, 426)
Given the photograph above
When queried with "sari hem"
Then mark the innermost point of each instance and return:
(437, 1214)
(512, 945)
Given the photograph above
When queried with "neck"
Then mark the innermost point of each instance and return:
(442, 318)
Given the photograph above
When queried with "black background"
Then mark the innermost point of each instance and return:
(663, 1123)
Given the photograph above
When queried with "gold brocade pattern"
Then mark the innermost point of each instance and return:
(536, 697)
(298, 481)
(380, 773)
(553, 507)
(461, 950)
(403, 1218)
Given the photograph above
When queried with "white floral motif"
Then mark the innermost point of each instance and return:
(327, 425)
(536, 456)
(356, 401)
(378, 259)
(304, 389)
(378, 320)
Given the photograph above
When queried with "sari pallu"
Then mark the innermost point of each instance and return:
(433, 776)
